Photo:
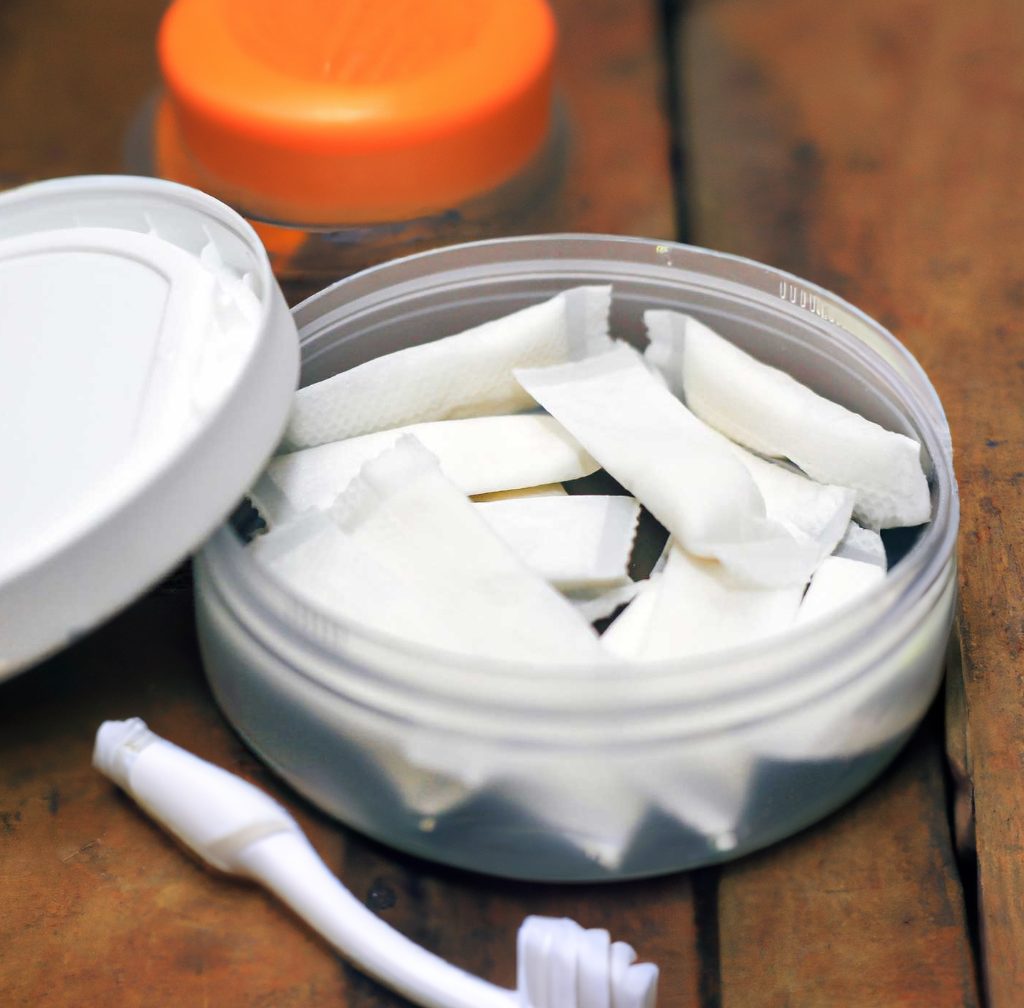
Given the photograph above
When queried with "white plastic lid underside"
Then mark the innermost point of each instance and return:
(125, 361)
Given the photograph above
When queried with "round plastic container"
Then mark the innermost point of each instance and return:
(350, 133)
(645, 770)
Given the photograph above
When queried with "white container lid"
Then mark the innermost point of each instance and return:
(147, 364)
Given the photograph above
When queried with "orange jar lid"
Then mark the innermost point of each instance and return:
(349, 111)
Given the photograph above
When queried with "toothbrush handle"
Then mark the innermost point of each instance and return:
(287, 864)
(237, 828)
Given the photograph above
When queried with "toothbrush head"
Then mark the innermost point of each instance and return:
(563, 965)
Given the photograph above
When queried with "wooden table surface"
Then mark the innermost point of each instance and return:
(874, 148)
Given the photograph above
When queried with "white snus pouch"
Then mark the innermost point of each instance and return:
(771, 413)
(405, 522)
(818, 511)
(838, 581)
(577, 543)
(699, 608)
(862, 544)
(668, 459)
(332, 571)
(466, 375)
(478, 454)
(626, 636)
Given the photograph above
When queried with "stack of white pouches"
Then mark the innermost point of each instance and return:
(375, 515)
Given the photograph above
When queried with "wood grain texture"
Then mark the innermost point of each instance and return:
(72, 77)
(875, 148)
(99, 906)
(862, 910)
(613, 75)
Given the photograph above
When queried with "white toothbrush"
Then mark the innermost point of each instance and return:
(238, 829)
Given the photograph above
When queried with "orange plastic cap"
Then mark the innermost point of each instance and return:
(336, 111)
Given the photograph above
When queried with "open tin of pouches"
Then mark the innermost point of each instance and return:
(149, 364)
(644, 768)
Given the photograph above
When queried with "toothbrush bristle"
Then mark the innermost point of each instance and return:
(563, 965)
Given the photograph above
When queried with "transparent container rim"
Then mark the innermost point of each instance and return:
(552, 247)
(801, 652)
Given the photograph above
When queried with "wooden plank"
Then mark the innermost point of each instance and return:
(868, 148)
(100, 907)
(613, 77)
(862, 910)
(72, 77)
